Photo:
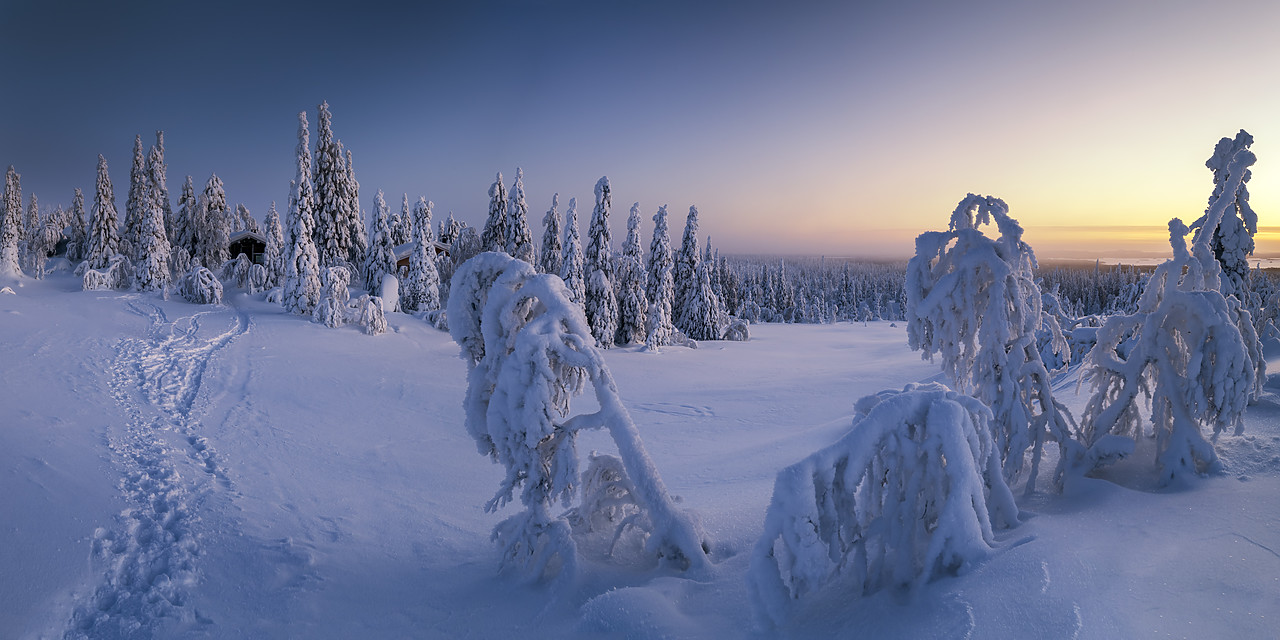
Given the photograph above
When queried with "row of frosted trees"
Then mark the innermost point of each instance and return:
(920, 484)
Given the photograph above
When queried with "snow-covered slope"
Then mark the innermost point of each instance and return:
(232, 471)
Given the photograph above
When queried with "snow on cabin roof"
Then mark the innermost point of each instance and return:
(240, 235)
(403, 250)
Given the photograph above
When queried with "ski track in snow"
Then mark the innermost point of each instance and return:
(147, 561)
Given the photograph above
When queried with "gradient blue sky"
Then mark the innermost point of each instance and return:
(841, 128)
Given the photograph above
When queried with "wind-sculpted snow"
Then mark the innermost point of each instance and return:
(148, 560)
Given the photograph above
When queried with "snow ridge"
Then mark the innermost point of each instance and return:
(148, 560)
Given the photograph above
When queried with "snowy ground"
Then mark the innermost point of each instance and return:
(171, 470)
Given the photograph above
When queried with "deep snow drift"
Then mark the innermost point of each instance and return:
(234, 471)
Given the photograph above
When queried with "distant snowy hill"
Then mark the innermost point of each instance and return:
(234, 471)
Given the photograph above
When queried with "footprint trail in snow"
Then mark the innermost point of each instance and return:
(147, 561)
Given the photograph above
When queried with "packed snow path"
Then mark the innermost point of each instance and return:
(148, 560)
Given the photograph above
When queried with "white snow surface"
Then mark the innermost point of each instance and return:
(236, 471)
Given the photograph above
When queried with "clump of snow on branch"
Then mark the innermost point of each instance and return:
(530, 351)
(1183, 350)
(914, 491)
(973, 301)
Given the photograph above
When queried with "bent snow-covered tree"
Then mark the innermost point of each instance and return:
(973, 301)
(529, 351)
(912, 492)
(1183, 349)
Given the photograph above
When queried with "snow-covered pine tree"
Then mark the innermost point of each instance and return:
(301, 262)
(151, 269)
(157, 172)
(686, 270)
(139, 194)
(519, 236)
(551, 257)
(529, 351)
(401, 224)
(974, 301)
(354, 216)
(422, 213)
(571, 263)
(660, 289)
(450, 229)
(273, 254)
(29, 248)
(43, 243)
(601, 304)
(633, 304)
(104, 241)
(11, 225)
(701, 307)
(421, 290)
(1183, 350)
(186, 220)
(331, 200)
(494, 236)
(78, 247)
(213, 236)
(380, 259)
(1232, 242)
(331, 310)
(244, 221)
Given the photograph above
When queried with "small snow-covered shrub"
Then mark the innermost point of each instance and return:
(200, 286)
(737, 331)
(331, 311)
(118, 274)
(371, 317)
(529, 350)
(912, 492)
(257, 280)
(389, 292)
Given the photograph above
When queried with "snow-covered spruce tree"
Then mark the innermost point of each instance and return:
(11, 225)
(401, 224)
(186, 220)
(151, 269)
(354, 216)
(686, 269)
(104, 241)
(633, 304)
(421, 289)
(494, 237)
(29, 248)
(700, 313)
(571, 262)
(529, 351)
(331, 202)
(157, 173)
(273, 254)
(450, 229)
(601, 304)
(139, 195)
(1183, 350)
(914, 491)
(301, 262)
(213, 237)
(331, 311)
(244, 221)
(422, 213)
(660, 289)
(380, 259)
(551, 257)
(973, 301)
(519, 236)
(1232, 241)
(78, 247)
